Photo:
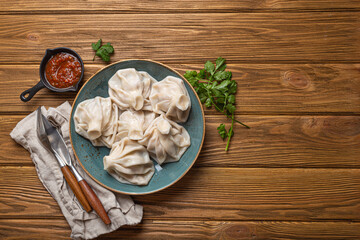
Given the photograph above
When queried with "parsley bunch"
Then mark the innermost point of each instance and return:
(215, 88)
(103, 51)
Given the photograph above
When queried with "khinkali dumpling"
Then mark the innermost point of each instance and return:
(133, 124)
(129, 162)
(109, 134)
(147, 89)
(129, 88)
(95, 118)
(171, 98)
(165, 140)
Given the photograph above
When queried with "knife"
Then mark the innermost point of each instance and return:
(57, 145)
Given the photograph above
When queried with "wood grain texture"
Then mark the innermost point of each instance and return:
(294, 175)
(149, 229)
(251, 37)
(262, 88)
(214, 194)
(272, 141)
(175, 6)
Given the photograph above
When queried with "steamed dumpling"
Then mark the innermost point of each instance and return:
(95, 118)
(129, 88)
(109, 134)
(133, 124)
(165, 140)
(129, 162)
(147, 89)
(171, 98)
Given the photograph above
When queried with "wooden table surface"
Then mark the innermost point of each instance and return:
(294, 175)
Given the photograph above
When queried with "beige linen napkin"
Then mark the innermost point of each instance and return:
(120, 208)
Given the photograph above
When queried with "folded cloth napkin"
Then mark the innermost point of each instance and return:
(120, 208)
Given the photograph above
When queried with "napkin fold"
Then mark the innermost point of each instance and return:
(120, 208)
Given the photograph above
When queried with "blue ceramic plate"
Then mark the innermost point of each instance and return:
(91, 158)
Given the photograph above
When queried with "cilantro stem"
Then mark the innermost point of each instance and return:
(224, 111)
(230, 133)
(217, 108)
(240, 122)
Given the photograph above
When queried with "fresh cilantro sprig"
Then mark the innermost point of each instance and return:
(215, 88)
(102, 51)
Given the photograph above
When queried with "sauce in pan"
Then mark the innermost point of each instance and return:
(63, 70)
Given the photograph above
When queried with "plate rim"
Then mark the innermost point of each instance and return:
(157, 190)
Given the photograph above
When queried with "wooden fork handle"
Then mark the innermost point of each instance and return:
(75, 187)
(94, 201)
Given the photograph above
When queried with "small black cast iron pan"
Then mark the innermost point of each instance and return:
(29, 93)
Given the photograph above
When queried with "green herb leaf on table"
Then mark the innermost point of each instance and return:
(210, 67)
(96, 46)
(220, 62)
(222, 131)
(215, 88)
(102, 51)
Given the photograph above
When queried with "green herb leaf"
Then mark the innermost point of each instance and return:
(202, 97)
(231, 99)
(215, 88)
(220, 75)
(232, 87)
(222, 131)
(221, 100)
(108, 48)
(97, 45)
(223, 86)
(103, 54)
(231, 108)
(210, 67)
(228, 75)
(201, 74)
(190, 74)
(103, 51)
(219, 62)
(216, 93)
(222, 68)
(208, 102)
(194, 82)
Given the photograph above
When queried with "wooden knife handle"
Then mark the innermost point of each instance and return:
(94, 201)
(75, 187)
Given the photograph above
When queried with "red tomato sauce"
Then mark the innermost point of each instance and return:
(63, 70)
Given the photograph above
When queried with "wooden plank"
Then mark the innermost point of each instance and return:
(175, 6)
(262, 88)
(252, 37)
(34, 229)
(149, 229)
(214, 194)
(272, 141)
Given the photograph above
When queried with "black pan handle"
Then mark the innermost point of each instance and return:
(31, 92)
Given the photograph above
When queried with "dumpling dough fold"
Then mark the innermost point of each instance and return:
(96, 119)
(133, 124)
(129, 88)
(171, 98)
(129, 162)
(165, 140)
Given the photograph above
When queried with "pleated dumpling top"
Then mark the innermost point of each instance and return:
(95, 118)
(171, 98)
(165, 140)
(129, 162)
(130, 89)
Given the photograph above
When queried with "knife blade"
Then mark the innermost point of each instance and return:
(50, 143)
(59, 147)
